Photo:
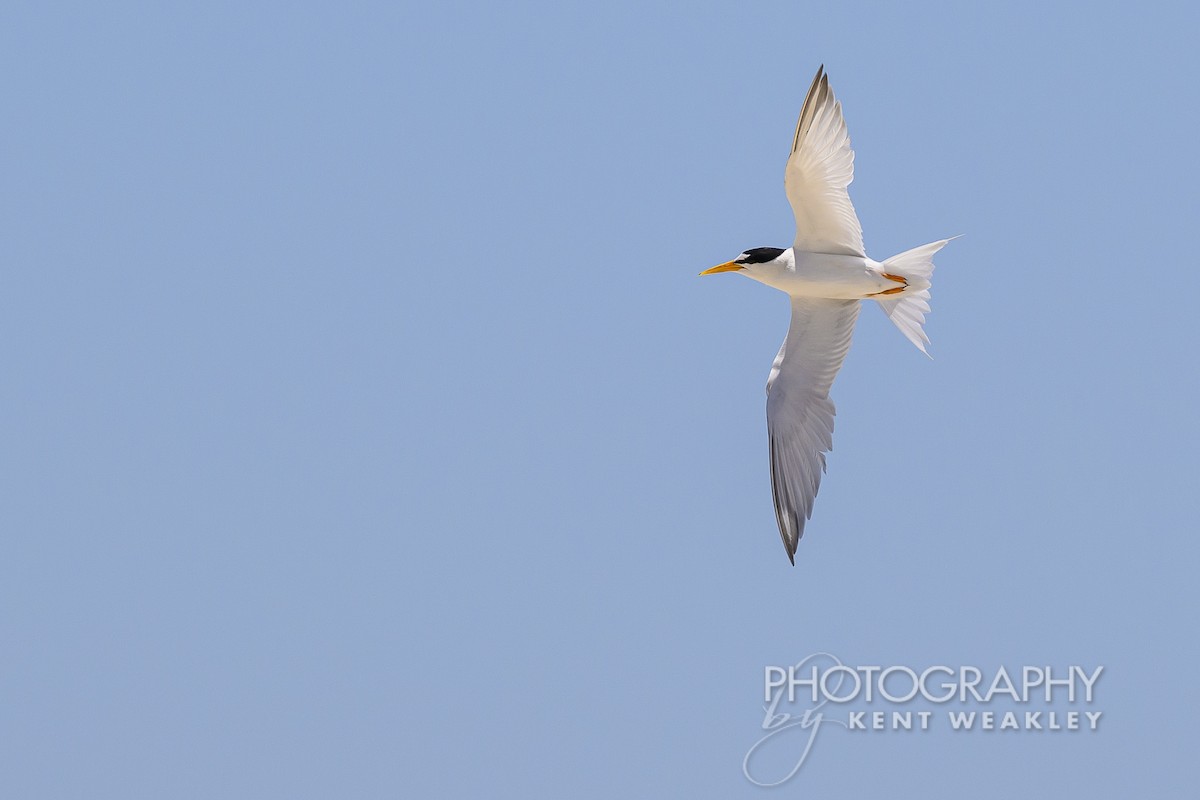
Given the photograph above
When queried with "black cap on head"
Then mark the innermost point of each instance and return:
(760, 255)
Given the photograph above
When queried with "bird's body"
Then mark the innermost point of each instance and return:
(837, 277)
(827, 275)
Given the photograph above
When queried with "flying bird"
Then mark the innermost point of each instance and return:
(827, 275)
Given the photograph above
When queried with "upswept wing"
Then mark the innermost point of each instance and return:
(799, 411)
(818, 171)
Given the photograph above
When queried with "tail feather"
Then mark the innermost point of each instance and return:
(908, 309)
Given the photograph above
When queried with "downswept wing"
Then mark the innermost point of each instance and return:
(818, 171)
(799, 411)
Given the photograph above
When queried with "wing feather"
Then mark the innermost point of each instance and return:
(799, 411)
(818, 172)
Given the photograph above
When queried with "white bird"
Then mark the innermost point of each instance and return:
(827, 274)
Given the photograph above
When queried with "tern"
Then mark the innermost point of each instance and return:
(827, 275)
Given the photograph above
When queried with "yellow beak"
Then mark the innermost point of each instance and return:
(728, 266)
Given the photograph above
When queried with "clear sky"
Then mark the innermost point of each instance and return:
(368, 433)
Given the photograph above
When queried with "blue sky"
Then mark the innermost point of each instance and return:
(368, 432)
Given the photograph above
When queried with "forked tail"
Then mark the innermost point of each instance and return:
(908, 308)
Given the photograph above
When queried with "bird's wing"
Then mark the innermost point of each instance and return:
(799, 411)
(818, 171)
